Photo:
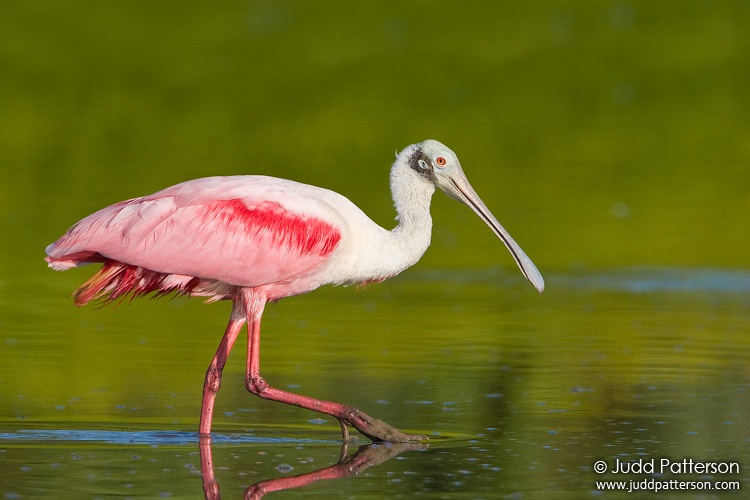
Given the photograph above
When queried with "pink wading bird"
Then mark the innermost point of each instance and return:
(255, 239)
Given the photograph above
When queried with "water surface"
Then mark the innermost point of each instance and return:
(520, 393)
(609, 138)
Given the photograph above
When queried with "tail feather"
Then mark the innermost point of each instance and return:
(98, 286)
(72, 260)
(115, 280)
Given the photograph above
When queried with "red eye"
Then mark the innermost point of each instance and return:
(440, 161)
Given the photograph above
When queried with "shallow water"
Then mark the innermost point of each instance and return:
(609, 138)
(519, 393)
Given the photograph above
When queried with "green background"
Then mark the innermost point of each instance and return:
(611, 138)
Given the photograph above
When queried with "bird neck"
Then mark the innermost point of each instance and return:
(381, 254)
(412, 194)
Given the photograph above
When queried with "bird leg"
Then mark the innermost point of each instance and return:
(213, 374)
(375, 429)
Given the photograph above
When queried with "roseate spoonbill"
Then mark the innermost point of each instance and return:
(255, 239)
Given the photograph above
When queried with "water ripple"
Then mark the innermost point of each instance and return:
(139, 437)
(628, 279)
(646, 280)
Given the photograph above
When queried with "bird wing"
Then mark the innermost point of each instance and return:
(242, 230)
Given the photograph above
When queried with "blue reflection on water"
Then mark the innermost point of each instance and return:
(645, 280)
(141, 437)
(629, 279)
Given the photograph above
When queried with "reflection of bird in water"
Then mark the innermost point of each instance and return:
(255, 239)
(364, 458)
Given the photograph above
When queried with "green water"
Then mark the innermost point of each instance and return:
(612, 140)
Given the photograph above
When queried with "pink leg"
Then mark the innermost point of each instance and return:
(377, 430)
(213, 374)
(210, 485)
(366, 457)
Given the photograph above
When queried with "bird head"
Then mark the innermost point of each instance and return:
(437, 163)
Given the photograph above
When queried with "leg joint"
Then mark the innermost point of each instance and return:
(256, 384)
(213, 379)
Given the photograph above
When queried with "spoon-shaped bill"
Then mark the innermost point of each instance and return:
(459, 188)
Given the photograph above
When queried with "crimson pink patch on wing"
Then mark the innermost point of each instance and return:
(308, 235)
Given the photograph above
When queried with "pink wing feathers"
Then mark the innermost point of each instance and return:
(200, 236)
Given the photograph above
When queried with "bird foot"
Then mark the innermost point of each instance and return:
(375, 429)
